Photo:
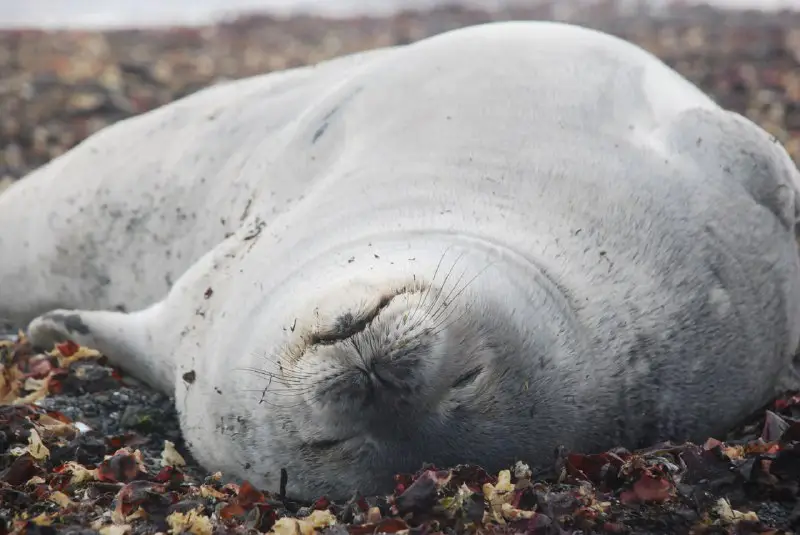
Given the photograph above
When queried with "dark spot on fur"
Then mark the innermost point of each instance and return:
(208, 293)
(246, 211)
(72, 322)
(335, 109)
(320, 131)
(189, 376)
(326, 119)
(284, 481)
(344, 322)
(217, 390)
(256, 230)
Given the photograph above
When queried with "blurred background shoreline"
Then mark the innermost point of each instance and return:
(58, 86)
(129, 13)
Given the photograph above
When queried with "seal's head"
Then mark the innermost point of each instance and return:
(397, 357)
(417, 372)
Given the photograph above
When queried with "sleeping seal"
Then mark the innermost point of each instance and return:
(473, 248)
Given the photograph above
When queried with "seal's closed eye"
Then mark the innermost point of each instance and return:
(349, 324)
(467, 378)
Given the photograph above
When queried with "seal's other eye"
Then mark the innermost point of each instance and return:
(467, 378)
(322, 444)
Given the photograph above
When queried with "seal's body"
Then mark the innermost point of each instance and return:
(474, 248)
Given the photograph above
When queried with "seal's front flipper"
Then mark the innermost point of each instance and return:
(126, 339)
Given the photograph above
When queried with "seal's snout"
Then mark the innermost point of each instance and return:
(377, 365)
(384, 374)
(376, 379)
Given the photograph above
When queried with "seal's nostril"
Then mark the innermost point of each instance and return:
(384, 379)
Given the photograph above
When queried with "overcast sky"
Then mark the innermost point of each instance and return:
(54, 13)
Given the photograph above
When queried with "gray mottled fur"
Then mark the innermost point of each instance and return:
(469, 249)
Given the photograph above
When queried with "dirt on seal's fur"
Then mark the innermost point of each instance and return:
(84, 449)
